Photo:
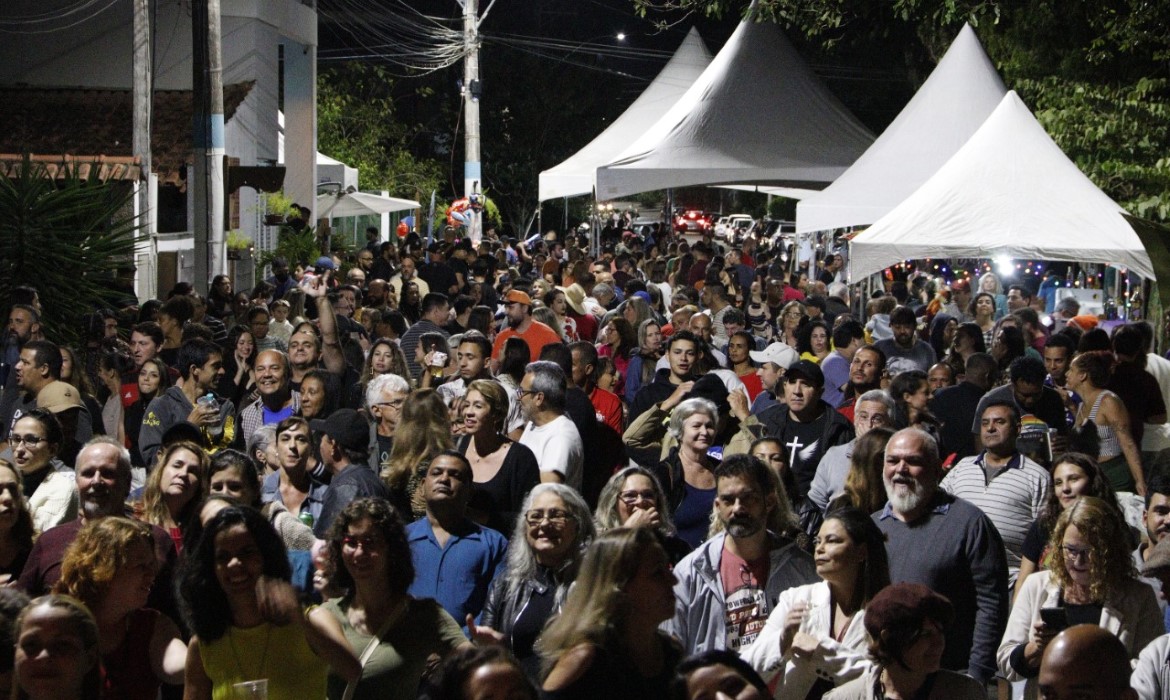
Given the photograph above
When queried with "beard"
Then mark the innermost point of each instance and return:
(742, 527)
(100, 506)
(905, 494)
(514, 323)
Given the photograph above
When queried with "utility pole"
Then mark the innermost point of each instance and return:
(143, 92)
(207, 99)
(472, 174)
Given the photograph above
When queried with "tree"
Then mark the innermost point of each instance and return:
(1095, 73)
(66, 237)
(356, 124)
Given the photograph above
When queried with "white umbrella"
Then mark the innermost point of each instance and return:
(333, 206)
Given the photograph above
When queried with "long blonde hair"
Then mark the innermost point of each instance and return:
(597, 609)
(154, 508)
(423, 432)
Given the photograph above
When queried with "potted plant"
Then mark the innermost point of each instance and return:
(277, 207)
(236, 243)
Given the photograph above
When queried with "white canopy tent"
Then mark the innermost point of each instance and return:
(333, 170)
(574, 176)
(757, 115)
(953, 102)
(786, 192)
(1009, 191)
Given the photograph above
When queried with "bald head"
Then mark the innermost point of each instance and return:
(271, 368)
(1086, 661)
(700, 325)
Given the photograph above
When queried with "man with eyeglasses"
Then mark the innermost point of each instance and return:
(726, 587)
(1010, 488)
(955, 406)
(551, 436)
(455, 559)
(873, 409)
(385, 396)
(947, 545)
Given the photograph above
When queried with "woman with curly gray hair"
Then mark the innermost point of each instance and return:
(686, 473)
(634, 498)
(552, 531)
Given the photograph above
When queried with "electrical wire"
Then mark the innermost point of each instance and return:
(402, 37)
(12, 26)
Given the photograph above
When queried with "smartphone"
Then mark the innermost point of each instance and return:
(1054, 618)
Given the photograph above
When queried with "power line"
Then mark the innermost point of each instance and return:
(30, 22)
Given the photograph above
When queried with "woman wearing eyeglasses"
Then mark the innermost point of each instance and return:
(48, 484)
(1090, 579)
(789, 322)
(634, 498)
(552, 532)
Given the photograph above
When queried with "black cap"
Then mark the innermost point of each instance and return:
(183, 431)
(712, 388)
(345, 426)
(807, 370)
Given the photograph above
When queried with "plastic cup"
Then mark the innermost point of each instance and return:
(251, 690)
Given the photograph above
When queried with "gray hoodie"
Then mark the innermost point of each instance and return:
(171, 408)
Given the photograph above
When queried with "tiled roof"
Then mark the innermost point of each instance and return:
(88, 122)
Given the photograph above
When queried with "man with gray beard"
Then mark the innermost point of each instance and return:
(949, 545)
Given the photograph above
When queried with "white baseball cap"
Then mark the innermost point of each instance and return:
(781, 354)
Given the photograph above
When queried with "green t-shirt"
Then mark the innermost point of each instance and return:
(394, 669)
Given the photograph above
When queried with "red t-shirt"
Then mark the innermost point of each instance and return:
(608, 407)
(746, 608)
(586, 326)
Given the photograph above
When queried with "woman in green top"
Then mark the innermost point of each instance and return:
(392, 633)
(248, 625)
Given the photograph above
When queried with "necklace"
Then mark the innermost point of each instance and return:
(263, 655)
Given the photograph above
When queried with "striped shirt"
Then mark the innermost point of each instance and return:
(1011, 500)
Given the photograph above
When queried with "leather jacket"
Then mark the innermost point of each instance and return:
(501, 610)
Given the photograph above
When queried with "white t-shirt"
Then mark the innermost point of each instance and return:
(557, 446)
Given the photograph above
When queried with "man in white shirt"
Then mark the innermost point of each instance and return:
(550, 435)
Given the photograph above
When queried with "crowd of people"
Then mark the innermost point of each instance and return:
(510, 470)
